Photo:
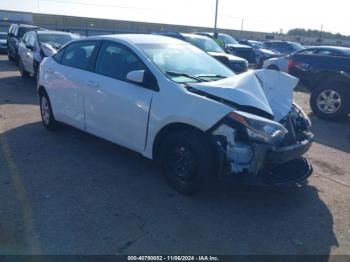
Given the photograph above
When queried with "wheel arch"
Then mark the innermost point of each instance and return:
(168, 129)
(41, 90)
(327, 76)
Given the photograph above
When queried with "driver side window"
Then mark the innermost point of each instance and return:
(116, 61)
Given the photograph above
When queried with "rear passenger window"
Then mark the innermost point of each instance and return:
(79, 55)
(117, 61)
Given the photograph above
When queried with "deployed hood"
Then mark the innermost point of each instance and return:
(266, 90)
(48, 49)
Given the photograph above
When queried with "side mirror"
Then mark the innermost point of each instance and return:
(136, 76)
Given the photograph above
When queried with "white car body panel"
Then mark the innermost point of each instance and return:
(117, 111)
(121, 112)
(65, 86)
(280, 62)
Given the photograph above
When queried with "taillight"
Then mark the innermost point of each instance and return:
(290, 64)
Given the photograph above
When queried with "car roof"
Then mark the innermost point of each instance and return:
(345, 50)
(43, 32)
(27, 26)
(138, 38)
(194, 36)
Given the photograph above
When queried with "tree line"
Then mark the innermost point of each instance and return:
(316, 33)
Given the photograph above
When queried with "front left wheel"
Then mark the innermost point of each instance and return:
(47, 117)
(187, 160)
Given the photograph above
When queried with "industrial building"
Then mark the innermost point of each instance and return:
(93, 26)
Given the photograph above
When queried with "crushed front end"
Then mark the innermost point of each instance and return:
(257, 150)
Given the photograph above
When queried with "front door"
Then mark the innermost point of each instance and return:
(116, 109)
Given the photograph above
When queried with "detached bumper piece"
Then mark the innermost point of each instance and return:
(284, 154)
(293, 172)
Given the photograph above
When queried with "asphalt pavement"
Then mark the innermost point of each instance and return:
(67, 192)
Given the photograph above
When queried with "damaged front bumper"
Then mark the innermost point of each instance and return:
(279, 155)
(252, 162)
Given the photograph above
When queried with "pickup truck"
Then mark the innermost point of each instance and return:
(325, 71)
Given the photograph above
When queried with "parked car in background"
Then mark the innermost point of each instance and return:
(262, 53)
(232, 46)
(172, 102)
(277, 64)
(14, 37)
(326, 72)
(3, 42)
(283, 47)
(36, 45)
(235, 63)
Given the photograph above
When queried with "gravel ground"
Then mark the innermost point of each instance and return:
(71, 193)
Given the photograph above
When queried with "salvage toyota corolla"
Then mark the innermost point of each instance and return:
(172, 102)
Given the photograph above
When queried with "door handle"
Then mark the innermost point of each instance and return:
(92, 84)
(50, 70)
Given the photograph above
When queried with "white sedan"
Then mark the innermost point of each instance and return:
(277, 63)
(172, 102)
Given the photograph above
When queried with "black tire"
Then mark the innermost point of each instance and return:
(36, 71)
(340, 91)
(22, 71)
(10, 57)
(187, 160)
(48, 120)
(273, 67)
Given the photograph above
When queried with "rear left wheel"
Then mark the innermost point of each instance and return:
(47, 117)
(10, 57)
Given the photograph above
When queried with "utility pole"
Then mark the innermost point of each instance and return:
(321, 33)
(216, 17)
(242, 25)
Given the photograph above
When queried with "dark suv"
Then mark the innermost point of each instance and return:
(283, 47)
(235, 63)
(232, 46)
(14, 36)
(325, 71)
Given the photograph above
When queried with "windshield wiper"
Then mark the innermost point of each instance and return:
(173, 73)
(211, 76)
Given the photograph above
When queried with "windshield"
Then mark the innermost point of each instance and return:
(57, 40)
(206, 44)
(185, 63)
(23, 30)
(257, 44)
(228, 40)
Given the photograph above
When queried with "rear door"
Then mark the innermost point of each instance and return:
(68, 78)
(115, 108)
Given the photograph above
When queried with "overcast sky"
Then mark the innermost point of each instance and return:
(258, 15)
